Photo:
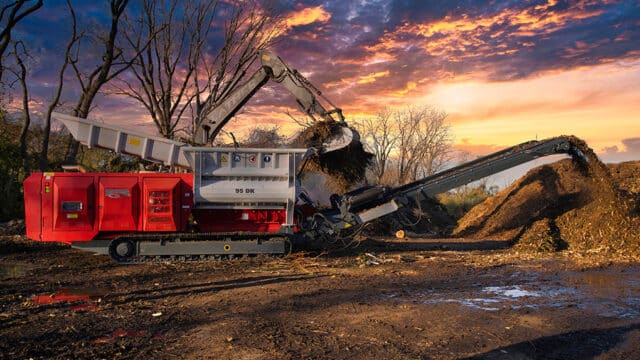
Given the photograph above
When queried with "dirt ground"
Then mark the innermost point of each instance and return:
(386, 299)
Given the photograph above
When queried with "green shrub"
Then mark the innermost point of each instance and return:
(11, 171)
(459, 201)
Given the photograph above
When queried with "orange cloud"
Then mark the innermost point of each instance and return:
(366, 79)
(363, 79)
(598, 103)
(377, 57)
(580, 48)
(465, 35)
(411, 86)
(307, 16)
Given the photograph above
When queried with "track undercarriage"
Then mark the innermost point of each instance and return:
(196, 246)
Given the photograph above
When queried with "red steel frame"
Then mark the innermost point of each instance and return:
(80, 207)
(71, 207)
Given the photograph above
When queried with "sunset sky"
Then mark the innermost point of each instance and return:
(505, 71)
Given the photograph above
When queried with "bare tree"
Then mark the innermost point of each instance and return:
(424, 141)
(250, 27)
(408, 144)
(11, 14)
(434, 143)
(112, 63)
(19, 52)
(407, 123)
(177, 76)
(163, 71)
(73, 39)
(380, 139)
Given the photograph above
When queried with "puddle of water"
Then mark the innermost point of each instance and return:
(606, 283)
(494, 298)
(79, 299)
(511, 291)
(480, 304)
(604, 293)
(615, 293)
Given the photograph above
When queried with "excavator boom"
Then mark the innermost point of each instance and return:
(305, 93)
(220, 115)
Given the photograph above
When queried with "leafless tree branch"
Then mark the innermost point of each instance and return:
(19, 52)
(14, 12)
(408, 144)
(102, 72)
(73, 39)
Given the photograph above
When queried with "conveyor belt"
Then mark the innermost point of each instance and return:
(489, 165)
(364, 205)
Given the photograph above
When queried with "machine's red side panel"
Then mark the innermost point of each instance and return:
(216, 220)
(118, 203)
(68, 207)
(80, 207)
(33, 206)
(74, 201)
(162, 209)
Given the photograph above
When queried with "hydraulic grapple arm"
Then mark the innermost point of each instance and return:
(221, 115)
(306, 95)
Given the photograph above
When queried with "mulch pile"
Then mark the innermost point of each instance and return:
(626, 177)
(564, 205)
(346, 167)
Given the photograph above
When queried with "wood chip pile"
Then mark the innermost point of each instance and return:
(564, 205)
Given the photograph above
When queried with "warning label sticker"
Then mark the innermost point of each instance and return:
(252, 160)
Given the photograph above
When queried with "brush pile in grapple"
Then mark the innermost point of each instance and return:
(564, 205)
(346, 166)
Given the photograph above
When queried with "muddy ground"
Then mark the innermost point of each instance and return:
(387, 299)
